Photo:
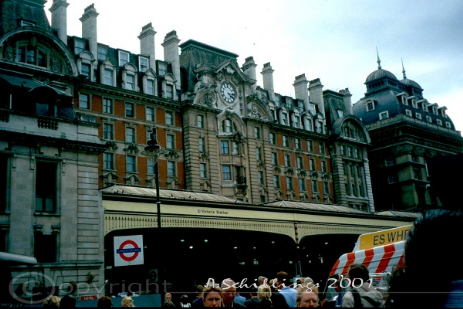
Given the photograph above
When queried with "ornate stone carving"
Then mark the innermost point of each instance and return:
(206, 92)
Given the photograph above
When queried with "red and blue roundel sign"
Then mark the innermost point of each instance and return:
(128, 250)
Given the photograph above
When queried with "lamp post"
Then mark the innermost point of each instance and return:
(153, 151)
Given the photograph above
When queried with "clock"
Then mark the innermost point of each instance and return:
(227, 91)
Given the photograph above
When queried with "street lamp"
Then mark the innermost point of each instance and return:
(153, 151)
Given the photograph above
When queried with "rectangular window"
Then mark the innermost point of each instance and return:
(84, 101)
(302, 185)
(299, 163)
(123, 58)
(314, 186)
(258, 154)
(289, 184)
(408, 113)
(224, 147)
(439, 122)
(356, 153)
(226, 173)
(45, 247)
(227, 128)
(349, 151)
(108, 77)
(171, 168)
(262, 199)
(324, 169)
(296, 122)
(85, 70)
(201, 144)
(418, 115)
(130, 82)
(297, 143)
(341, 149)
(200, 120)
(261, 178)
(108, 161)
(417, 173)
(143, 64)
(107, 106)
(107, 131)
(429, 119)
(448, 125)
(257, 133)
(370, 106)
(46, 186)
(169, 118)
(202, 170)
(236, 148)
(285, 141)
(276, 181)
(129, 110)
(272, 138)
(130, 135)
(287, 160)
(274, 158)
(151, 167)
(149, 114)
(169, 91)
(310, 146)
(170, 141)
(130, 164)
(326, 188)
(150, 86)
(321, 147)
(312, 164)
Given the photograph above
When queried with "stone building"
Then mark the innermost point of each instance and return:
(407, 133)
(49, 204)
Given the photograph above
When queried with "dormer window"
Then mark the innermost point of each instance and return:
(85, 70)
(340, 113)
(383, 115)
(108, 77)
(439, 122)
(123, 58)
(370, 106)
(408, 113)
(143, 64)
(33, 55)
(312, 108)
(434, 110)
(169, 91)
(284, 118)
(130, 82)
(448, 125)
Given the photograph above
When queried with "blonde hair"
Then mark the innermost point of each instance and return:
(127, 302)
(264, 292)
(52, 302)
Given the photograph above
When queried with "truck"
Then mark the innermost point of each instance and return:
(380, 252)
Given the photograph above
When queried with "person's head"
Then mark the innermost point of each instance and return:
(105, 302)
(127, 302)
(261, 280)
(168, 297)
(282, 277)
(51, 302)
(67, 302)
(228, 292)
(336, 284)
(212, 297)
(199, 290)
(307, 280)
(184, 299)
(307, 297)
(358, 271)
(264, 292)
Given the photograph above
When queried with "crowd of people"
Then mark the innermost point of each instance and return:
(431, 241)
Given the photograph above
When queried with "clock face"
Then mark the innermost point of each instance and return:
(227, 90)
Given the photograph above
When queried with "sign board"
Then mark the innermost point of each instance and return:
(128, 250)
(381, 238)
(88, 297)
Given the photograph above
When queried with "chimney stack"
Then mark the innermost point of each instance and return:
(267, 73)
(59, 19)
(316, 95)
(89, 28)
(146, 38)
(249, 68)
(347, 100)
(300, 87)
(171, 54)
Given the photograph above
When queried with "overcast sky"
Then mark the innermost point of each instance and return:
(334, 40)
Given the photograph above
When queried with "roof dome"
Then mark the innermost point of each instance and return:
(410, 82)
(378, 74)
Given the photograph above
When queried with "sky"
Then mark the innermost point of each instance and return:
(334, 40)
